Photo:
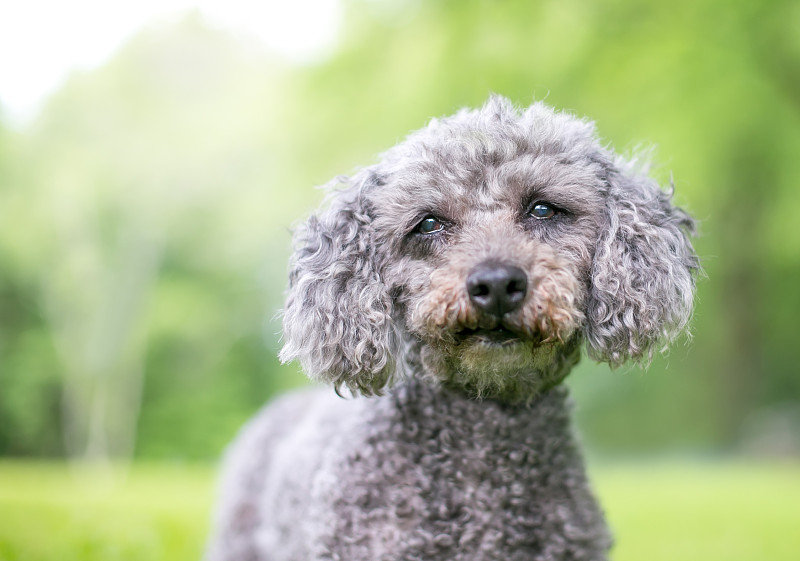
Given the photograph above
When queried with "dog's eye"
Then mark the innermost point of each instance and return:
(542, 211)
(430, 225)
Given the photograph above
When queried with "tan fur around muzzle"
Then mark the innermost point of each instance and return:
(550, 311)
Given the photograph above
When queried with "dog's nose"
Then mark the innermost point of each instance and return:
(496, 288)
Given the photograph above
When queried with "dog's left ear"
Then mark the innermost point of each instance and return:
(643, 273)
(338, 315)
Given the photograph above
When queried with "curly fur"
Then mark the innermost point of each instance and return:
(470, 456)
(334, 272)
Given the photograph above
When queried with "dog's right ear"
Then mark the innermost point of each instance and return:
(338, 316)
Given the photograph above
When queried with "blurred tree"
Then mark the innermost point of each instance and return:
(29, 385)
(153, 164)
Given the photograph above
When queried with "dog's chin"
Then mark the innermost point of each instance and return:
(498, 364)
(498, 337)
(499, 351)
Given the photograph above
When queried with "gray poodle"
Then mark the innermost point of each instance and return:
(456, 281)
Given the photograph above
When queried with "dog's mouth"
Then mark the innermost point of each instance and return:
(496, 336)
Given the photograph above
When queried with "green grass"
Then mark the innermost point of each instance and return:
(709, 512)
(155, 512)
(658, 511)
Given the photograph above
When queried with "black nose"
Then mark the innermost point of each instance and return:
(496, 288)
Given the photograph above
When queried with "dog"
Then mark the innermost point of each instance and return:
(454, 284)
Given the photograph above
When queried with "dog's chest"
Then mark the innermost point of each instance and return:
(440, 477)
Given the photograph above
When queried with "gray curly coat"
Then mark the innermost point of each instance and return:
(464, 272)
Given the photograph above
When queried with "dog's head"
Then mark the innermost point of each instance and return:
(483, 251)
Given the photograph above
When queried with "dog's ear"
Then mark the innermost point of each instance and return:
(338, 315)
(643, 273)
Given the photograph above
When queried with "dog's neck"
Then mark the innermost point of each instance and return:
(542, 420)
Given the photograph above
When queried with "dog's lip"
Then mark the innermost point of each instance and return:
(497, 335)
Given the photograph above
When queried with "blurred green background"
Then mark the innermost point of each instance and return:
(145, 219)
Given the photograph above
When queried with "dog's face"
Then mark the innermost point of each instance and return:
(490, 263)
(483, 251)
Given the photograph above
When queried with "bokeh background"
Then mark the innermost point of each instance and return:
(145, 217)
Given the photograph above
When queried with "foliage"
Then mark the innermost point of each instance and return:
(144, 217)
